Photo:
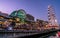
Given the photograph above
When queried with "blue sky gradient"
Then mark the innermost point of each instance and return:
(37, 8)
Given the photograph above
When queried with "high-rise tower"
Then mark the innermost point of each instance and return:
(51, 16)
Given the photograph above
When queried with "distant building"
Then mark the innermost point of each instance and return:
(3, 15)
(19, 17)
(21, 14)
(41, 23)
(3, 18)
(29, 17)
(30, 21)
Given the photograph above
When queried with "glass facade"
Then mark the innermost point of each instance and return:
(13, 13)
(21, 14)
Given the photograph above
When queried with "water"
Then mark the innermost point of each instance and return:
(54, 36)
(51, 35)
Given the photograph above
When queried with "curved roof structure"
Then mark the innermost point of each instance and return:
(19, 13)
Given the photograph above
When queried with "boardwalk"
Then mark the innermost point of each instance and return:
(11, 34)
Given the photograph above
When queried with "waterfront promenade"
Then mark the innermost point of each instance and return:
(24, 33)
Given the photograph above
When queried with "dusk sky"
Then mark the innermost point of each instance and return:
(37, 8)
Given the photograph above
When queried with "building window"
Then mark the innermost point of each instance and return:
(1, 17)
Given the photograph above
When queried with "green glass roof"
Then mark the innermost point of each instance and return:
(19, 13)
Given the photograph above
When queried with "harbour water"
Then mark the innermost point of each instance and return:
(56, 35)
(7, 35)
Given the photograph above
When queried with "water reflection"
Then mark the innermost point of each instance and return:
(54, 36)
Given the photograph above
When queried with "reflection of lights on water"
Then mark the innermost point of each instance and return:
(57, 35)
(54, 36)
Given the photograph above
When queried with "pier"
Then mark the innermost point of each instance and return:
(34, 33)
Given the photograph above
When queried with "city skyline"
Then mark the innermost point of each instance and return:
(37, 8)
